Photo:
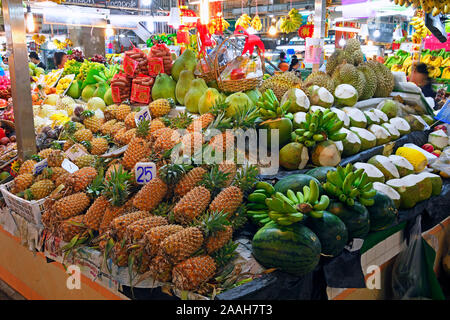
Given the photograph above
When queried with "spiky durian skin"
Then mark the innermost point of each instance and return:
(385, 79)
(371, 81)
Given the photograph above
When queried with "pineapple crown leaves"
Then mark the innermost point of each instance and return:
(56, 146)
(239, 218)
(220, 106)
(86, 144)
(88, 113)
(225, 254)
(181, 121)
(212, 222)
(246, 178)
(172, 173)
(163, 209)
(214, 180)
(246, 118)
(36, 157)
(70, 127)
(117, 187)
(143, 128)
(171, 102)
(96, 188)
(221, 122)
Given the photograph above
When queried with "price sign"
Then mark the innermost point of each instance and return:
(143, 114)
(74, 152)
(69, 166)
(40, 166)
(144, 172)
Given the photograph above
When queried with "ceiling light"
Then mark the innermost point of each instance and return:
(30, 20)
(272, 30)
(342, 42)
(376, 33)
(109, 31)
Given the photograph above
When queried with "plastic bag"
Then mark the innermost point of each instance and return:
(227, 53)
(135, 62)
(120, 87)
(408, 272)
(141, 89)
(243, 67)
(443, 162)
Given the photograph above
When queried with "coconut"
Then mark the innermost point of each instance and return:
(313, 109)
(416, 123)
(357, 117)
(326, 154)
(381, 115)
(345, 95)
(438, 139)
(298, 100)
(425, 186)
(351, 143)
(320, 96)
(342, 116)
(372, 118)
(340, 146)
(381, 133)
(294, 156)
(408, 190)
(299, 117)
(386, 166)
(390, 192)
(395, 134)
(368, 139)
(389, 107)
(401, 125)
(373, 173)
(96, 103)
(428, 119)
(436, 182)
(404, 167)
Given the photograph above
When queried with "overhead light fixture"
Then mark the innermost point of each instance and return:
(146, 3)
(121, 35)
(272, 30)
(30, 20)
(347, 29)
(175, 17)
(376, 33)
(342, 42)
(204, 11)
(109, 31)
(370, 43)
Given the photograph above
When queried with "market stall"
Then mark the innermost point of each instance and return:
(182, 169)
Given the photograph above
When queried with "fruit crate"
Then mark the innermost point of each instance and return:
(29, 210)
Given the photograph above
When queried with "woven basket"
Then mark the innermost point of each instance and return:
(241, 84)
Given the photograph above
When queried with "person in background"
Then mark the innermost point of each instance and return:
(419, 75)
(35, 59)
(60, 59)
(295, 64)
(283, 65)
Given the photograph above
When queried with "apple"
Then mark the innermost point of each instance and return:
(428, 147)
(440, 127)
(437, 153)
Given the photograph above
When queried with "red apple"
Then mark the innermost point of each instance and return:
(437, 153)
(428, 147)
(237, 74)
(440, 127)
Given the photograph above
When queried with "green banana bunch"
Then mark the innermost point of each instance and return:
(257, 209)
(317, 127)
(348, 186)
(269, 106)
(291, 208)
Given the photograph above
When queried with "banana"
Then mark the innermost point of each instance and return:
(291, 195)
(323, 203)
(367, 202)
(274, 204)
(346, 186)
(300, 197)
(282, 197)
(368, 194)
(314, 192)
(306, 193)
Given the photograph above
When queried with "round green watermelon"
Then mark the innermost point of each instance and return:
(320, 173)
(332, 233)
(383, 213)
(294, 249)
(295, 182)
(355, 218)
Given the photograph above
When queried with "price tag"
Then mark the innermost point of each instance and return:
(355, 245)
(140, 94)
(129, 66)
(69, 166)
(143, 114)
(74, 152)
(40, 166)
(144, 172)
(155, 66)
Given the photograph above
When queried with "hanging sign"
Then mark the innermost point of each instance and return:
(314, 50)
(306, 31)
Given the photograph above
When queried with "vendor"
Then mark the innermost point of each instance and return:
(60, 59)
(36, 60)
(419, 75)
(283, 65)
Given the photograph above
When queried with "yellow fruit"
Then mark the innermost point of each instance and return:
(192, 205)
(160, 107)
(415, 157)
(193, 272)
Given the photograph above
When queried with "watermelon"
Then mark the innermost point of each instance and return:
(295, 182)
(355, 218)
(320, 173)
(383, 213)
(294, 249)
(332, 233)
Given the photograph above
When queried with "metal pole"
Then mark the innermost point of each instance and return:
(20, 77)
(320, 9)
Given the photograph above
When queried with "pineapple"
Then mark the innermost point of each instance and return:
(161, 107)
(52, 173)
(27, 167)
(45, 153)
(107, 126)
(95, 213)
(181, 245)
(229, 168)
(128, 136)
(99, 146)
(156, 235)
(181, 121)
(22, 182)
(88, 160)
(189, 181)
(71, 227)
(39, 190)
(161, 269)
(138, 147)
(80, 179)
(68, 144)
(55, 158)
(193, 272)
(228, 200)
(111, 169)
(192, 143)
(130, 121)
(150, 195)
(214, 180)
(116, 127)
(223, 142)
(91, 121)
(217, 230)
(122, 111)
(83, 135)
(166, 139)
(218, 239)
(137, 229)
(109, 112)
(155, 125)
(192, 205)
(72, 205)
(120, 254)
(119, 224)
(201, 122)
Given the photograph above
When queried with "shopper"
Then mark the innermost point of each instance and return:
(295, 64)
(283, 65)
(60, 59)
(419, 75)
(36, 60)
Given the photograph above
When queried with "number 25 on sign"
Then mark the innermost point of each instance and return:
(144, 172)
(143, 114)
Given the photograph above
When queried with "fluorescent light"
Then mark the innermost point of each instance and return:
(347, 29)
(30, 20)
(109, 31)
(146, 3)
(175, 17)
(204, 11)
(342, 42)
(376, 33)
